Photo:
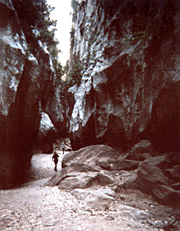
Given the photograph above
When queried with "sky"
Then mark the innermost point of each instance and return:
(61, 13)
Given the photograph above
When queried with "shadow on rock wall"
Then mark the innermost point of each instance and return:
(164, 127)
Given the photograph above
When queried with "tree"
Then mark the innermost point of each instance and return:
(34, 16)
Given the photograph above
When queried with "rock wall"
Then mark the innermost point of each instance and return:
(130, 84)
(24, 80)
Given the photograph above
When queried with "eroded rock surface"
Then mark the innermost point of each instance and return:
(33, 206)
(155, 175)
(23, 78)
(130, 84)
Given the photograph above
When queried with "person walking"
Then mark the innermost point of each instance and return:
(55, 157)
(63, 147)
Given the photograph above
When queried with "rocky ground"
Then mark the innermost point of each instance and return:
(37, 207)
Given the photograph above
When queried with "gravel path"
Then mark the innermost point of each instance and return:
(35, 207)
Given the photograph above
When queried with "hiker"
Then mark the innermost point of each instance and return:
(55, 157)
(63, 147)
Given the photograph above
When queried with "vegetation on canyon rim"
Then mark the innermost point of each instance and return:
(37, 25)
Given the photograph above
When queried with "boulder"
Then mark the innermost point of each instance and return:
(91, 155)
(167, 195)
(176, 186)
(79, 176)
(159, 161)
(100, 199)
(149, 175)
(72, 171)
(103, 164)
(122, 164)
(81, 168)
(151, 179)
(141, 151)
(57, 178)
(174, 157)
(104, 179)
(77, 180)
(173, 173)
(135, 213)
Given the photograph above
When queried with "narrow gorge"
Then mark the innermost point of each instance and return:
(123, 88)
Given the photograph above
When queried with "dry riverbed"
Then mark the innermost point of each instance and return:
(37, 207)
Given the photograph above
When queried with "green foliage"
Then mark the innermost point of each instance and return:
(34, 16)
(74, 5)
(154, 26)
(136, 36)
(66, 67)
(74, 75)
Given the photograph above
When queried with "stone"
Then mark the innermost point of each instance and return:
(173, 173)
(91, 155)
(73, 171)
(81, 167)
(167, 195)
(57, 178)
(150, 179)
(122, 164)
(174, 157)
(103, 164)
(104, 179)
(79, 176)
(159, 161)
(77, 180)
(176, 186)
(149, 176)
(95, 199)
(138, 151)
(135, 213)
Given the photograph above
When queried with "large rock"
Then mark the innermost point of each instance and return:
(80, 168)
(91, 155)
(130, 82)
(95, 199)
(132, 212)
(173, 173)
(152, 178)
(79, 176)
(167, 195)
(141, 151)
(77, 180)
(122, 164)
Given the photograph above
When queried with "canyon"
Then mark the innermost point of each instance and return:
(128, 90)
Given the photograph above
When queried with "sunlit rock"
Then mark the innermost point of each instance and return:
(130, 81)
(24, 78)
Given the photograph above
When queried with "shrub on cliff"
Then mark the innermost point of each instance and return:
(34, 16)
(75, 73)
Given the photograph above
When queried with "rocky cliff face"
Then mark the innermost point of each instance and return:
(24, 78)
(130, 87)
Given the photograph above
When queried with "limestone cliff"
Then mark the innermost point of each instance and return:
(130, 84)
(24, 79)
